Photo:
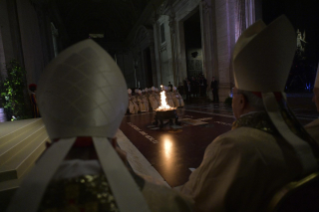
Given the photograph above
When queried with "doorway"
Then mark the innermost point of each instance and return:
(193, 45)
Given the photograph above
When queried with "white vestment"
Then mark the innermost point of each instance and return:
(146, 102)
(178, 99)
(241, 171)
(140, 102)
(132, 106)
(154, 101)
(169, 99)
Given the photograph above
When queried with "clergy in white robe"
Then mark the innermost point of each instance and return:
(132, 106)
(169, 96)
(153, 99)
(244, 168)
(177, 98)
(144, 97)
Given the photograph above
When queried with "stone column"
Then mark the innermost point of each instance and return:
(208, 42)
(250, 12)
(172, 25)
(153, 62)
(3, 71)
(180, 51)
(224, 17)
(157, 53)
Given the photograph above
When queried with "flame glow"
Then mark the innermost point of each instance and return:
(164, 105)
(168, 148)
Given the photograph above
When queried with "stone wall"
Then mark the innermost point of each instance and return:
(25, 37)
(164, 48)
(31, 40)
(9, 46)
(126, 63)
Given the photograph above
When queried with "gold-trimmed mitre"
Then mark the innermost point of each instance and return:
(263, 56)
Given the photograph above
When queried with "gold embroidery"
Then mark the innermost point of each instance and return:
(259, 120)
(85, 193)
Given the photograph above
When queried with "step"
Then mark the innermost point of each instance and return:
(18, 164)
(7, 190)
(12, 129)
(14, 145)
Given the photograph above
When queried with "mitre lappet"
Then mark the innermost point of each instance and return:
(81, 93)
(263, 69)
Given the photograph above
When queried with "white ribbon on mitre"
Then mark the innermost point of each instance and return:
(82, 92)
(262, 60)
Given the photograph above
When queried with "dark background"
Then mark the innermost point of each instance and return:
(304, 15)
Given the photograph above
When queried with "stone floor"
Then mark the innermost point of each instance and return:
(171, 153)
(175, 150)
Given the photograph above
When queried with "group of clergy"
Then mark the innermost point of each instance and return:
(149, 99)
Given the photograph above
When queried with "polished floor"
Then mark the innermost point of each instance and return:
(175, 150)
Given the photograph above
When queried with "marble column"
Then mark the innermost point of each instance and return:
(172, 25)
(157, 55)
(3, 71)
(210, 68)
(250, 12)
(153, 62)
(180, 51)
(225, 18)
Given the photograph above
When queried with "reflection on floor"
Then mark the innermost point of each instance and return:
(174, 151)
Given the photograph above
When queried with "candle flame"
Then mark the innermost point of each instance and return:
(164, 106)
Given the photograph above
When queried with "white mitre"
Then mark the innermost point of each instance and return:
(262, 60)
(82, 92)
(263, 56)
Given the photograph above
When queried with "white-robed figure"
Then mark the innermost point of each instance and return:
(139, 100)
(169, 98)
(83, 97)
(158, 95)
(243, 168)
(313, 127)
(144, 97)
(153, 99)
(177, 98)
(132, 106)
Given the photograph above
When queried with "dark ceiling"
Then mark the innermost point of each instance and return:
(114, 18)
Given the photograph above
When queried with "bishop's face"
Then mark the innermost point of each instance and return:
(315, 97)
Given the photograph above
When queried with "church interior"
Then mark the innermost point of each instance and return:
(154, 43)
